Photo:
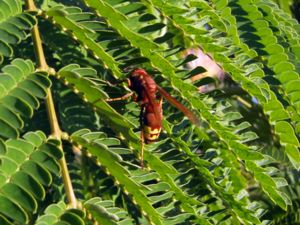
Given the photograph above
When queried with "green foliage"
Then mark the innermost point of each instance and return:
(14, 24)
(285, 5)
(60, 214)
(106, 213)
(238, 166)
(75, 75)
(27, 168)
(20, 88)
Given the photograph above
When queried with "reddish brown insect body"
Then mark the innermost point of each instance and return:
(151, 108)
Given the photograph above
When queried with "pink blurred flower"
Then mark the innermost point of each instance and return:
(212, 68)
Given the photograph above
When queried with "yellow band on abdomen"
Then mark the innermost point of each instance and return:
(151, 134)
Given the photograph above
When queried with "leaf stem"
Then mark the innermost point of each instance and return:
(55, 129)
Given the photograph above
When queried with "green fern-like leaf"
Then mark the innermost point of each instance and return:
(21, 88)
(60, 214)
(15, 25)
(105, 212)
(73, 75)
(27, 167)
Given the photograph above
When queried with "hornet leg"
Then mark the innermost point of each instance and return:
(142, 135)
(120, 98)
(115, 99)
(142, 148)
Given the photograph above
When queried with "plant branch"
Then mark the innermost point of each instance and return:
(55, 129)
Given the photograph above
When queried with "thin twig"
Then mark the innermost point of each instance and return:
(55, 129)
